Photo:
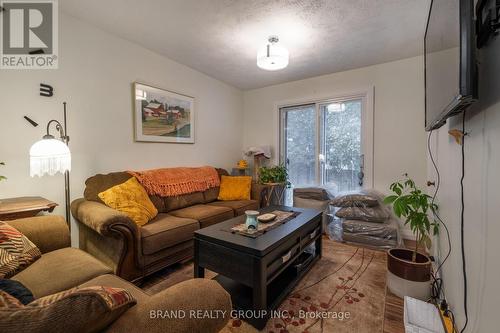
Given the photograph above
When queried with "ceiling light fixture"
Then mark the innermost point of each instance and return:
(336, 107)
(271, 56)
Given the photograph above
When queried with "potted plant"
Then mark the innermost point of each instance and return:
(274, 175)
(409, 270)
(276, 178)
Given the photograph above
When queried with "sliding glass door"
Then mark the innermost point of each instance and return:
(322, 144)
(342, 156)
(301, 146)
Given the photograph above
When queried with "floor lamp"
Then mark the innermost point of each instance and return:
(50, 156)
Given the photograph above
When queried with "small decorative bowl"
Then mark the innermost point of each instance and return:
(266, 218)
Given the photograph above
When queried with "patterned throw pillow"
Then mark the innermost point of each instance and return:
(131, 199)
(88, 309)
(7, 301)
(16, 251)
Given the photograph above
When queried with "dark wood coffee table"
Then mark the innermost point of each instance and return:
(260, 272)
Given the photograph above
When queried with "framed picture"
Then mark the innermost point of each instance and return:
(162, 115)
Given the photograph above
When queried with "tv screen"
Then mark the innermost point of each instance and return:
(450, 69)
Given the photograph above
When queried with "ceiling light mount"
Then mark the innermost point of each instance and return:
(272, 56)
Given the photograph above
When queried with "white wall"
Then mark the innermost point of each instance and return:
(399, 144)
(482, 209)
(95, 76)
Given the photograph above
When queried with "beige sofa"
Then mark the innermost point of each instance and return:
(62, 267)
(134, 252)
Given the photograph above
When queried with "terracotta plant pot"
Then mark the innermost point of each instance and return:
(408, 278)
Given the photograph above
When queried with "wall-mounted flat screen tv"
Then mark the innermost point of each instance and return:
(450, 63)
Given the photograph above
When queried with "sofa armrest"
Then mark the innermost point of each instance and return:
(192, 298)
(110, 236)
(259, 192)
(48, 232)
(100, 217)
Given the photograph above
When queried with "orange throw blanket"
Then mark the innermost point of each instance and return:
(168, 182)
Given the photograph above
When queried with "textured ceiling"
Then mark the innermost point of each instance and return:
(221, 37)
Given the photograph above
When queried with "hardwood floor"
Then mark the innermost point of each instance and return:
(393, 312)
(393, 317)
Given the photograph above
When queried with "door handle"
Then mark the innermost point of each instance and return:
(361, 174)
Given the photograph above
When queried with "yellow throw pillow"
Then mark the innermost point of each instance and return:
(235, 188)
(131, 199)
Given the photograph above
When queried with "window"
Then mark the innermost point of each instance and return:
(324, 143)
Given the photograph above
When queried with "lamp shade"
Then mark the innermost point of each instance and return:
(49, 156)
(272, 56)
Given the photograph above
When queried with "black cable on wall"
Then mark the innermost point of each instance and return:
(437, 285)
(462, 220)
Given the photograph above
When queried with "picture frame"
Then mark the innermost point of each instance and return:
(162, 116)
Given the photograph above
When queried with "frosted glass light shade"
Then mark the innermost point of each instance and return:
(272, 57)
(49, 156)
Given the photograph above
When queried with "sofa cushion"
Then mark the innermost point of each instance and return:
(16, 251)
(238, 206)
(211, 194)
(205, 214)
(99, 183)
(60, 270)
(184, 200)
(166, 231)
(169, 256)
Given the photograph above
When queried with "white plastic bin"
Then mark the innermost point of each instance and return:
(421, 317)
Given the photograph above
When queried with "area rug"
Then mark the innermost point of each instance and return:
(343, 292)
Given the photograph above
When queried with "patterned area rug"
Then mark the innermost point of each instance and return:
(343, 292)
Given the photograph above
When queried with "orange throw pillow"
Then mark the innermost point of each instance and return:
(131, 199)
(235, 188)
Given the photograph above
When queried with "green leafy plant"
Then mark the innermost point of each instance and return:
(2, 177)
(274, 174)
(415, 206)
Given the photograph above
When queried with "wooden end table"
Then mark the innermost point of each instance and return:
(21, 207)
(275, 194)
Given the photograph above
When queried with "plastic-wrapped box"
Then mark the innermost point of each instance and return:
(314, 198)
(384, 235)
(364, 220)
